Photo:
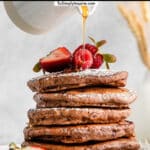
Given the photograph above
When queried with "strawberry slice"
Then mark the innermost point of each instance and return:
(57, 60)
(93, 49)
(82, 59)
(33, 148)
(97, 61)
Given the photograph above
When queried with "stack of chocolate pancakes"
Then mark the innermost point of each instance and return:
(84, 110)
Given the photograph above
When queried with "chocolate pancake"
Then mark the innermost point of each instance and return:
(68, 116)
(118, 144)
(91, 97)
(90, 77)
(80, 133)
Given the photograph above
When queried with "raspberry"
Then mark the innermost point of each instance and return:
(97, 61)
(82, 59)
(93, 49)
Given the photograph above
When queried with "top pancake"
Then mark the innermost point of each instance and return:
(91, 77)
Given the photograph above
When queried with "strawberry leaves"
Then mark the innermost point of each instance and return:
(107, 58)
(97, 44)
(93, 40)
(100, 43)
(13, 146)
(37, 67)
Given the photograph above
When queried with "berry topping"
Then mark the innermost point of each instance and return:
(97, 44)
(93, 49)
(97, 61)
(99, 58)
(109, 58)
(32, 148)
(13, 146)
(82, 59)
(57, 60)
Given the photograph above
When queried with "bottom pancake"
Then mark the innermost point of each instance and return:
(119, 144)
(80, 133)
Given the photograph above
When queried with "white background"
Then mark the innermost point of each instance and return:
(19, 51)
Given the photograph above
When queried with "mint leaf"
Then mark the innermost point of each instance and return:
(37, 67)
(92, 39)
(100, 43)
(107, 65)
(13, 146)
(109, 58)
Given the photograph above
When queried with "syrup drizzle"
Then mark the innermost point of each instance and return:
(85, 13)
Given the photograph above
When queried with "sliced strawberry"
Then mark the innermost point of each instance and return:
(33, 148)
(57, 60)
(82, 58)
(37, 148)
(93, 49)
(97, 61)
